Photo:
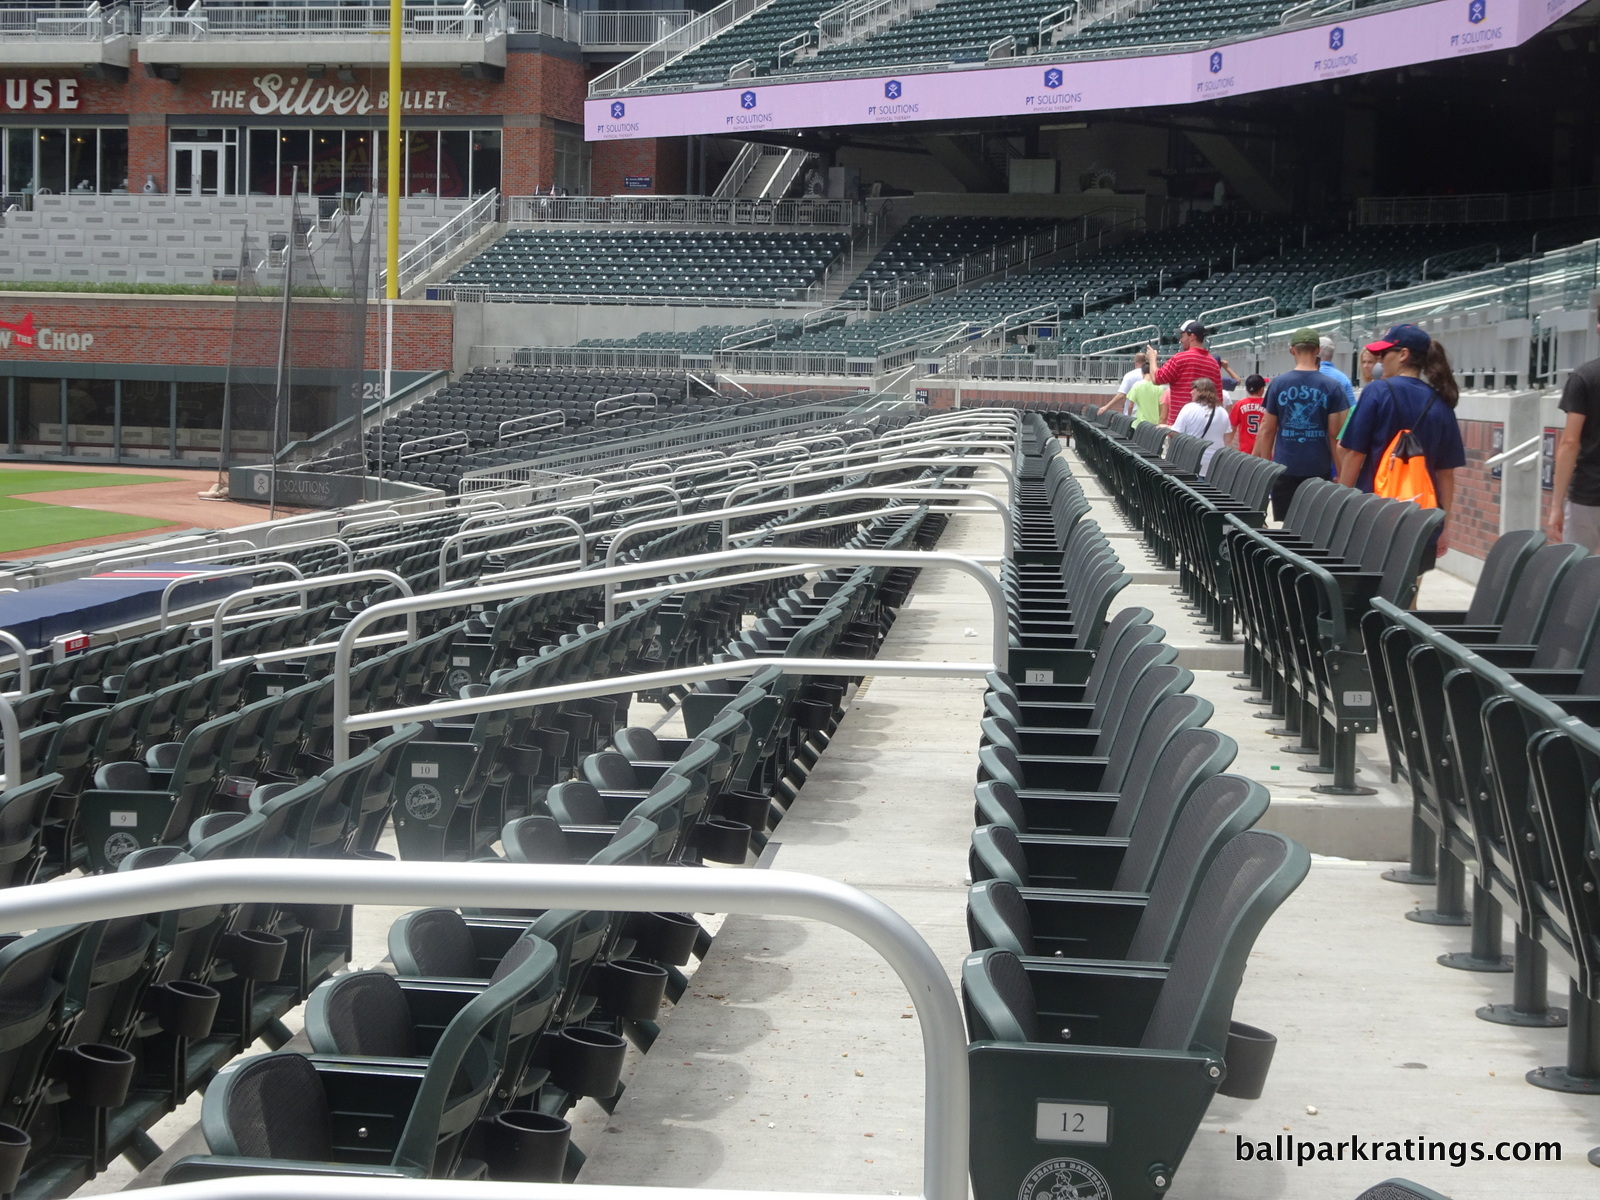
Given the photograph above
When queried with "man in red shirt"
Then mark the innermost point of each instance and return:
(1180, 371)
(1245, 415)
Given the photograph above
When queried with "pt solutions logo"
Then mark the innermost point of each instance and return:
(1478, 37)
(1052, 96)
(749, 116)
(1218, 84)
(897, 107)
(617, 124)
(1340, 59)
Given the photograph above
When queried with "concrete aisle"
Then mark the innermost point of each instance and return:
(795, 1061)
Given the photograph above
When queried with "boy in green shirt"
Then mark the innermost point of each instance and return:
(1146, 397)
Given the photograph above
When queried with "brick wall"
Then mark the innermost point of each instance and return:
(198, 330)
(661, 159)
(1475, 516)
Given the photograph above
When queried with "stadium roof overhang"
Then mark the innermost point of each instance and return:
(1040, 86)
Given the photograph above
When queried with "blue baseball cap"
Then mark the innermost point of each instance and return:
(1406, 337)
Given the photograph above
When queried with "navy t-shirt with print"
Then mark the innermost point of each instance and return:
(1302, 401)
(1396, 403)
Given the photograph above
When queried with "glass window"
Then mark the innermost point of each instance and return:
(485, 161)
(455, 162)
(261, 162)
(39, 412)
(113, 160)
(422, 162)
(91, 412)
(53, 160)
(200, 416)
(294, 151)
(83, 160)
(327, 161)
(146, 415)
(359, 166)
(19, 161)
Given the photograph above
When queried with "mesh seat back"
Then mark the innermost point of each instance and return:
(272, 1106)
(1569, 626)
(1191, 758)
(1244, 885)
(435, 941)
(362, 1013)
(1220, 809)
(1157, 685)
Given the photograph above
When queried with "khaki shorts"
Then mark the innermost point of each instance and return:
(1581, 524)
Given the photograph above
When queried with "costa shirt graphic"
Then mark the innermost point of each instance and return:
(1302, 401)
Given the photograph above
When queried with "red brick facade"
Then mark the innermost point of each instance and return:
(1475, 516)
(660, 160)
(198, 330)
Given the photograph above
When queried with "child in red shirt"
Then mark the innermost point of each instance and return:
(1245, 415)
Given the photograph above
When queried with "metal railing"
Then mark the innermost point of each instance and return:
(199, 23)
(1348, 285)
(346, 722)
(92, 24)
(575, 357)
(1073, 19)
(683, 211)
(1090, 368)
(856, 19)
(614, 29)
(1136, 338)
(1313, 10)
(522, 887)
(544, 19)
(302, 587)
(674, 45)
(1486, 206)
(446, 241)
(1475, 255)
(1242, 313)
(521, 427)
(743, 166)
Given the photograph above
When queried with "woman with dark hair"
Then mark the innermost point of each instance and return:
(1417, 391)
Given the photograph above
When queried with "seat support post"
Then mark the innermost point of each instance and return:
(1530, 988)
(1486, 939)
(1581, 1074)
(1449, 894)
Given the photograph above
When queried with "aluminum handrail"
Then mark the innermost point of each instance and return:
(642, 490)
(1112, 344)
(344, 723)
(788, 481)
(533, 425)
(626, 407)
(11, 736)
(349, 553)
(221, 573)
(1517, 449)
(400, 454)
(25, 662)
(1001, 508)
(518, 887)
(1351, 283)
(374, 574)
(749, 537)
(723, 515)
(455, 539)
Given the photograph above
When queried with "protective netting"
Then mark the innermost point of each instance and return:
(298, 356)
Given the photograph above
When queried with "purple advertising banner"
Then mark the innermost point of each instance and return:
(1353, 46)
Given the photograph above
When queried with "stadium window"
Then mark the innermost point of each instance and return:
(485, 161)
(146, 416)
(422, 162)
(113, 160)
(294, 150)
(39, 415)
(359, 168)
(455, 162)
(52, 160)
(261, 162)
(327, 162)
(91, 415)
(572, 164)
(199, 419)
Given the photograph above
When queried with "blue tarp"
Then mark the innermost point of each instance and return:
(98, 601)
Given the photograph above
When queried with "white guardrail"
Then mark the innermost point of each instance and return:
(522, 887)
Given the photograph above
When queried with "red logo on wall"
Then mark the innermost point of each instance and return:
(23, 332)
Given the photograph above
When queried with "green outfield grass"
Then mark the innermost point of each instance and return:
(26, 524)
(17, 483)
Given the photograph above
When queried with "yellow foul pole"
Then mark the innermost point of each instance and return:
(397, 16)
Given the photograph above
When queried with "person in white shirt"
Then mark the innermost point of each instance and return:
(1204, 417)
(1120, 400)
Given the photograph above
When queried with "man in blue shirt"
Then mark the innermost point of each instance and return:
(1302, 414)
(1325, 365)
